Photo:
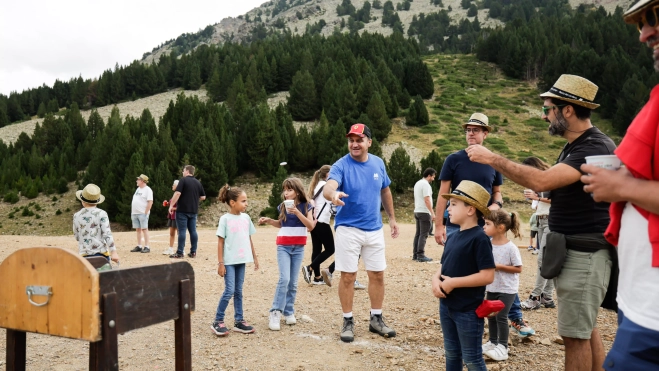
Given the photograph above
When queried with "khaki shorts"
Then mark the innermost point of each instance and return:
(351, 242)
(580, 288)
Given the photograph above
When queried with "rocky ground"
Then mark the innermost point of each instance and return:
(313, 343)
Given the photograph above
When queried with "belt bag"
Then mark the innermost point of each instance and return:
(553, 255)
(587, 242)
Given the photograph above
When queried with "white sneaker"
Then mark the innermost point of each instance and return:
(275, 318)
(487, 346)
(290, 320)
(327, 276)
(359, 286)
(498, 353)
(168, 251)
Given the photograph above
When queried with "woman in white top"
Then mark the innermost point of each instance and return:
(542, 294)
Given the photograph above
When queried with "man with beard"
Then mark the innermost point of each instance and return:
(582, 283)
(634, 227)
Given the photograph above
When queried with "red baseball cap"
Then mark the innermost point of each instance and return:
(361, 130)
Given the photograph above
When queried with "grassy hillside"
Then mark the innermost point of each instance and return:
(463, 86)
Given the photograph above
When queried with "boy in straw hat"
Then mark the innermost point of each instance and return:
(588, 267)
(467, 266)
(634, 227)
(91, 225)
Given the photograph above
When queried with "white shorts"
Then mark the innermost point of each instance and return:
(351, 242)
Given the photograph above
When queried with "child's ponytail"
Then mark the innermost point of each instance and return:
(228, 194)
(317, 176)
(509, 220)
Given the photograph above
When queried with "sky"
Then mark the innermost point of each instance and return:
(41, 41)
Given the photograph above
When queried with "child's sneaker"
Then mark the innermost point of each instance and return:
(520, 327)
(306, 273)
(533, 302)
(318, 281)
(146, 249)
(327, 276)
(168, 251)
(487, 346)
(535, 251)
(498, 353)
(275, 318)
(359, 286)
(219, 329)
(290, 320)
(243, 327)
(530, 248)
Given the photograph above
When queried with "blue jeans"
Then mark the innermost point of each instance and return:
(515, 310)
(463, 334)
(289, 259)
(233, 287)
(186, 221)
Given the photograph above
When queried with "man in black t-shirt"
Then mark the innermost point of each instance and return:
(583, 280)
(189, 192)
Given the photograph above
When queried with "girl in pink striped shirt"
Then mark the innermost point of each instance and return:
(295, 219)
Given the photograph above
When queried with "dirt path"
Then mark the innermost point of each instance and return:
(410, 309)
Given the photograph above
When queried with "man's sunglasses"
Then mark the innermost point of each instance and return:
(649, 17)
(545, 109)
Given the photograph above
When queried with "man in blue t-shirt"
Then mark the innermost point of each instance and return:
(358, 184)
(457, 167)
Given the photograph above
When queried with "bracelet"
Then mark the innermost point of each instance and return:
(220, 263)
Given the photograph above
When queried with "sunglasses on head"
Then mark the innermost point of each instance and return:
(648, 17)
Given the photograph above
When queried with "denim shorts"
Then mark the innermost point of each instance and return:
(635, 347)
(140, 221)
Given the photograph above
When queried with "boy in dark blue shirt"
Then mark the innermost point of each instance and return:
(467, 266)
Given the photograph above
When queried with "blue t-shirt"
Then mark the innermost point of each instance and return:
(458, 167)
(362, 182)
(466, 252)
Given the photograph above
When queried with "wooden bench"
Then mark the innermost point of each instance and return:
(54, 291)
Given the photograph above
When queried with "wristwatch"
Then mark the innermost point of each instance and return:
(499, 203)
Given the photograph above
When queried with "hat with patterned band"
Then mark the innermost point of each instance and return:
(573, 89)
(473, 194)
(91, 194)
(478, 119)
(632, 14)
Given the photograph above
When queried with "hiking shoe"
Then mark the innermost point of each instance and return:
(533, 302)
(146, 249)
(290, 320)
(359, 286)
(318, 282)
(487, 346)
(431, 234)
(547, 303)
(219, 329)
(520, 327)
(306, 273)
(169, 251)
(136, 249)
(535, 251)
(424, 259)
(377, 326)
(530, 248)
(275, 318)
(348, 330)
(243, 327)
(176, 256)
(498, 353)
(327, 276)
(192, 255)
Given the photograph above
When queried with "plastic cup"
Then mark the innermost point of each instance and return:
(609, 162)
(289, 204)
(527, 190)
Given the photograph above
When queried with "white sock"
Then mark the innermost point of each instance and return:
(347, 315)
(376, 311)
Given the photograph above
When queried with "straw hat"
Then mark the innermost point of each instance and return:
(633, 13)
(478, 119)
(473, 194)
(144, 178)
(91, 194)
(573, 89)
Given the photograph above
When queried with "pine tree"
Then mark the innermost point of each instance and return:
(402, 172)
(276, 192)
(41, 112)
(303, 101)
(214, 87)
(380, 123)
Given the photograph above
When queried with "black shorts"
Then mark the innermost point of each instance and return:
(171, 223)
(534, 233)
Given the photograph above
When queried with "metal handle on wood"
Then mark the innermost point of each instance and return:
(38, 290)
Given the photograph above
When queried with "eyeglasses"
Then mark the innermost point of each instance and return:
(473, 130)
(545, 109)
(649, 17)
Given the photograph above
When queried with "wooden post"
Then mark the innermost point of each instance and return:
(109, 343)
(15, 350)
(182, 329)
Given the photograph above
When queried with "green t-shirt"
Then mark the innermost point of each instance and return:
(236, 231)
(534, 222)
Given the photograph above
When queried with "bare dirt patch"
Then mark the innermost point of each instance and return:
(409, 308)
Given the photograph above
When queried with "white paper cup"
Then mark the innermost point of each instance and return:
(289, 203)
(609, 162)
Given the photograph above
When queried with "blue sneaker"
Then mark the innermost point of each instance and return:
(520, 327)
